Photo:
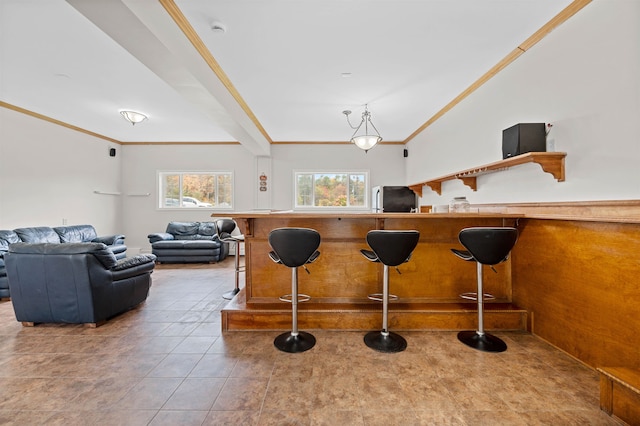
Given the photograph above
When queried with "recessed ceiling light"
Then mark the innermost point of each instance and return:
(346, 74)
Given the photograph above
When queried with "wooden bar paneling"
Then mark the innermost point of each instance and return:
(580, 281)
(620, 393)
(342, 275)
(237, 316)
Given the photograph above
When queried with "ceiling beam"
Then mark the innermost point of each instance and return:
(149, 33)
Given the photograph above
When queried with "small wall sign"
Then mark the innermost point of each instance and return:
(263, 182)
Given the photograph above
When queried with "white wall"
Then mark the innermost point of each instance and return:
(385, 164)
(141, 163)
(48, 173)
(584, 79)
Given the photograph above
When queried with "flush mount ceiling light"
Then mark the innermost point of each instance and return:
(133, 117)
(362, 137)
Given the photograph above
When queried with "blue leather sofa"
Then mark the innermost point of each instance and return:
(61, 234)
(78, 283)
(189, 242)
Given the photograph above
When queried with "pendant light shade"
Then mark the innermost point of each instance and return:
(363, 137)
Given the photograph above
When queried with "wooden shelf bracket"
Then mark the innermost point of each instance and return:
(551, 162)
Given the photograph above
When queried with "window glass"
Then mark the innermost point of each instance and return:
(339, 190)
(195, 189)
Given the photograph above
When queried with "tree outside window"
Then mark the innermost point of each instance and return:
(331, 190)
(195, 189)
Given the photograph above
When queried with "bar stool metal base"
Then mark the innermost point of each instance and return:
(483, 342)
(236, 240)
(391, 342)
(287, 342)
(230, 294)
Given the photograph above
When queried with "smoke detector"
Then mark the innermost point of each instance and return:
(218, 27)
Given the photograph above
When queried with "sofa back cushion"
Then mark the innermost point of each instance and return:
(76, 233)
(207, 229)
(192, 230)
(98, 250)
(6, 238)
(38, 234)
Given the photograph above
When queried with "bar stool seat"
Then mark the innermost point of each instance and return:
(391, 248)
(293, 248)
(486, 246)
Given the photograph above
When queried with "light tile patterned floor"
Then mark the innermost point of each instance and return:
(167, 363)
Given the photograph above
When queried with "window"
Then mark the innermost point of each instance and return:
(195, 190)
(342, 190)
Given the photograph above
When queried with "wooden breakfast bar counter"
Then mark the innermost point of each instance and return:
(428, 287)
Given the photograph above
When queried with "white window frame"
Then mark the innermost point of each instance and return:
(160, 190)
(367, 190)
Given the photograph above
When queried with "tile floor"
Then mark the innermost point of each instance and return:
(167, 363)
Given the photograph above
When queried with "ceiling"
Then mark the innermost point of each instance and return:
(282, 71)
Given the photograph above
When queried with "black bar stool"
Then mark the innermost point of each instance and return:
(391, 248)
(294, 247)
(225, 228)
(485, 246)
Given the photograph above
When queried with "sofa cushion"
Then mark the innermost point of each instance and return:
(159, 236)
(137, 260)
(6, 238)
(183, 230)
(207, 229)
(186, 244)
(133, 266)
(38, 234)
(76, 233)
(99, 250)
(192, 230)
(118, 249)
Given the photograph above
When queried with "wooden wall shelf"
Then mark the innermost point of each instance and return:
(551, 162)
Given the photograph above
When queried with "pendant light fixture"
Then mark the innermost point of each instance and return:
(362, 137)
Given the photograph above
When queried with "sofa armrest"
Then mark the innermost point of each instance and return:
(133, 266)
(133, 261)
(110, 240)
(160, 236)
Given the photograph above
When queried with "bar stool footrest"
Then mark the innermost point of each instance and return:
(474, 296)
(289, 298)
(379, 297)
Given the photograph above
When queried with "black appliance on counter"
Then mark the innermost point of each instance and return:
(393, 199)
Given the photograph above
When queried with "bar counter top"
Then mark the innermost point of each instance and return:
(368, 215)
